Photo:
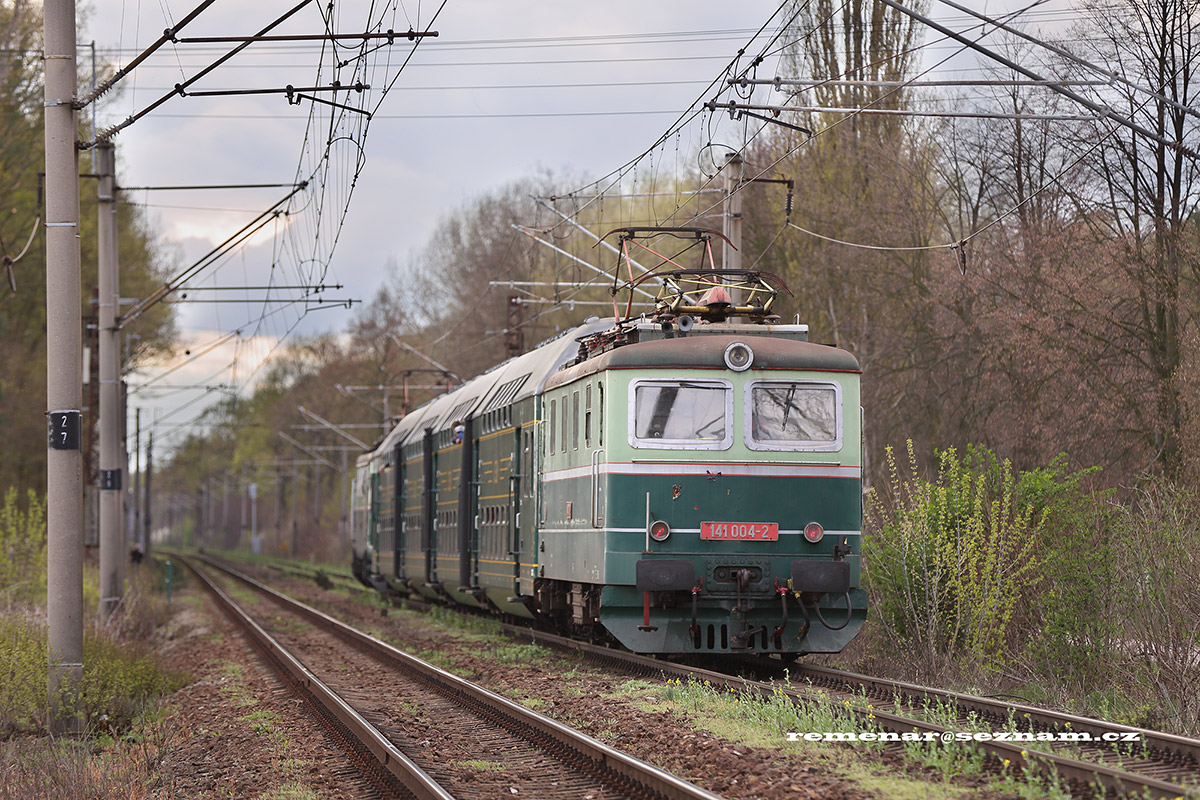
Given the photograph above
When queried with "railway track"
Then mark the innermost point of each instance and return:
(1156, 765)
(370, 695)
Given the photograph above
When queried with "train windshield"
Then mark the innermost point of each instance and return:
(688, 412)
(798, 415)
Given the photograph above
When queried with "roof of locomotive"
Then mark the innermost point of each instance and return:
(707, 351)
(506, 383)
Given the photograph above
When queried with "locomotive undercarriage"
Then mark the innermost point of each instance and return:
(737, 612)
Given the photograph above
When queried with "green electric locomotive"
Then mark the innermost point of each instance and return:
(682, 484)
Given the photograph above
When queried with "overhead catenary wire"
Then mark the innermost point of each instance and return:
(205, 350)
(844, 119)
(733, 106)
(695, 109)
(690, 115)
(1103, 111)
(624, 39)
(246, 231)
(113, 130)
(872, 246)
(958, 245)
(687, 116)
(961, 244)
(306, 264)
(1067, 54)
(168, 35)
(813, 83)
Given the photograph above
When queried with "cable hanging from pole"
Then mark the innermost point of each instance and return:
(248, 230)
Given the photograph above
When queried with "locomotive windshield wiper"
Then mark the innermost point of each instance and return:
(787, 406)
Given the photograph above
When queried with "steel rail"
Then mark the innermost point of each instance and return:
(620, 770)
(331, 709)
(1082, 775)
(1169, 751)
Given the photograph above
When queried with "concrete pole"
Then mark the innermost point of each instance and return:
(316, 496)
(278, 508)
(241, 481)
(253, 489)
(731, 223)
(149, 475)
(64, 386)
(138, 537)
(295, 513)
(111, 539)
(215, 525)
(126, 516)
(343, 523)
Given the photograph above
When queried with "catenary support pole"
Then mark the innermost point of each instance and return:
(344, 522)
(146, 526)
(123, 449)
(112, 549)
(64, 389)
(138, 536)
(241, 482)
(295, 514)
(278, 510)
(315, 494)
(255, 547)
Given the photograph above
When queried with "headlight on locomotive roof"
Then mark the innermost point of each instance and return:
(813, 532)
(739, 357)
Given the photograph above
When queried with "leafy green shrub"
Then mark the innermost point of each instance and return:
(119, 679)
(1075, 619)
(948, 560)
(22, 547)
(22, 676)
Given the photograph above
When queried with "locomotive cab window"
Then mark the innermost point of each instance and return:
(681, 414)
(794, 415)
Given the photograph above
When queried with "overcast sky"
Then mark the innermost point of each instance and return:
(507, 89)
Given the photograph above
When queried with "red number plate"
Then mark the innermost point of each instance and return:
(740, 531)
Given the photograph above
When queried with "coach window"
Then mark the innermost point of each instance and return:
(681, 414)
(566, 424)
(553, 416)
(575, 420)
(600, 410)
(794, 415)
(587, 417)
